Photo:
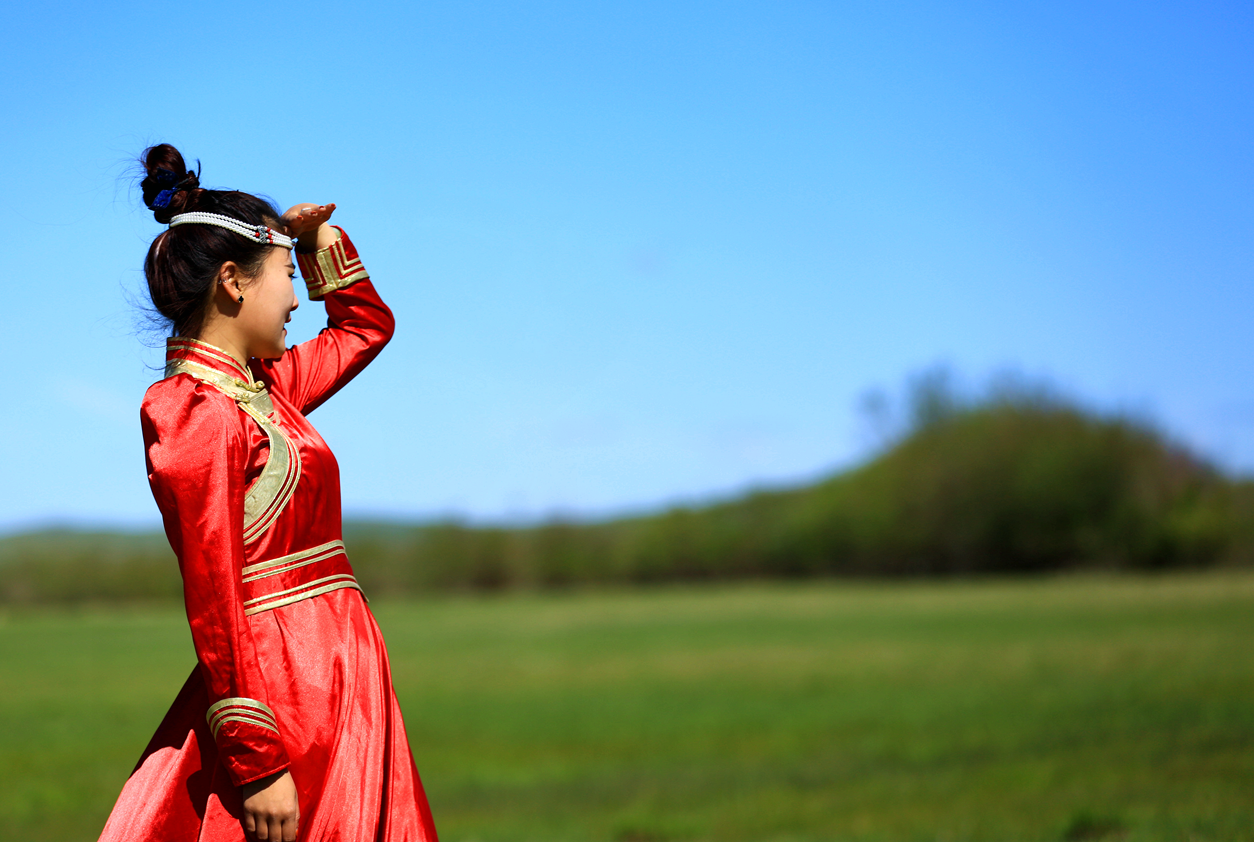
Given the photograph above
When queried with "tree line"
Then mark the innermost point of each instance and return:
(1014, 481)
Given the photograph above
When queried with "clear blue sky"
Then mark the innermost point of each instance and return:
(642, 252)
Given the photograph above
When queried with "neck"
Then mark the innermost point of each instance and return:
(220, 336)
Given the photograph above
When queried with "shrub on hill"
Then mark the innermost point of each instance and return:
(1010, 487)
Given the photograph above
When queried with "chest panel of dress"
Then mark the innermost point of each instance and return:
(272, 490)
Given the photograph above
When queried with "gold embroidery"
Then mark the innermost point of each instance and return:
(183, 343)
(240, 701)
(262, 569)
(244, 391)
(297, 594)
(303, 596)
(273, 489)
(299, 587)
(235, 718)
(329, 269)
(240, 710)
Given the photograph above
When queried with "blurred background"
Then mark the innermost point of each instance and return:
(805, 420)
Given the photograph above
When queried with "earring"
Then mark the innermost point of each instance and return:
(241, 299)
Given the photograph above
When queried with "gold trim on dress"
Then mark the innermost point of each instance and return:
(240, 701)
(269, 495)
(183, 343)
(235, 388)
(329, 269)
(240, 718)
(300, 592)
(283, 564)
(240, 709)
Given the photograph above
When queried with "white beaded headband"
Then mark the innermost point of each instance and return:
(257, 233)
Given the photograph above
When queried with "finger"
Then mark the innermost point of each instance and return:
(276, 829)
(250, 824)
(289, 830)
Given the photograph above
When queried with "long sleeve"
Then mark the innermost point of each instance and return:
(359, 324)
(197, 454)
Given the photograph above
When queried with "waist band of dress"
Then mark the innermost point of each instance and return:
(326, 565)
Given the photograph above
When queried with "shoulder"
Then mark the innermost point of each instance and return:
(191, 416)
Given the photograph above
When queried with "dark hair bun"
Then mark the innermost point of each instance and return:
(168, 186)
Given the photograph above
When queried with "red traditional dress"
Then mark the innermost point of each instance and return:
(292, 670)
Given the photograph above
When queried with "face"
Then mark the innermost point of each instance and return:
(269, 300)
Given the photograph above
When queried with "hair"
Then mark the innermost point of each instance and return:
(183, 262)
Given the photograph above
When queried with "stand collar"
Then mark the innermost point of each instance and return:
(210, 356)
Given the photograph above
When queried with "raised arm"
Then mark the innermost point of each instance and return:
(359, 324)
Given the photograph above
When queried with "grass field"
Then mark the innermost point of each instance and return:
(1060, 709)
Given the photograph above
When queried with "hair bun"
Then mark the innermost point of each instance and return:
(167, 182)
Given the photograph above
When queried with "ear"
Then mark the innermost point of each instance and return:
(230, 280)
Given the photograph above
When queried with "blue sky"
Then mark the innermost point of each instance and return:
(641, 253)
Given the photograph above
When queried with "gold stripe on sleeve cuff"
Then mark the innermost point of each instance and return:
(329, 269)
(218, 723)
(239, 709)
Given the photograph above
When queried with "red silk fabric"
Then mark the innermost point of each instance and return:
(318, 664)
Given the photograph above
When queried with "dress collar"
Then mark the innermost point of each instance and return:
(203, 354)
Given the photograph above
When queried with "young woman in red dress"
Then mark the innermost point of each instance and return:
(288, 728)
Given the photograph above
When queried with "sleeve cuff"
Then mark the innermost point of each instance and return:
(248, 740)
(331, 268)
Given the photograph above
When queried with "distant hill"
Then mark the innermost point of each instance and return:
(1006, 486)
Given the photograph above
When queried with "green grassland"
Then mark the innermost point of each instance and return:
(1073, 708)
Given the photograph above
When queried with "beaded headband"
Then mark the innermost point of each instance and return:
(257, 233)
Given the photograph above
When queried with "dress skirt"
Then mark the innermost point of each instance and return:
(331, 691)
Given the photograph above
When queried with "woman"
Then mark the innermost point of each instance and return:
(288, 727)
